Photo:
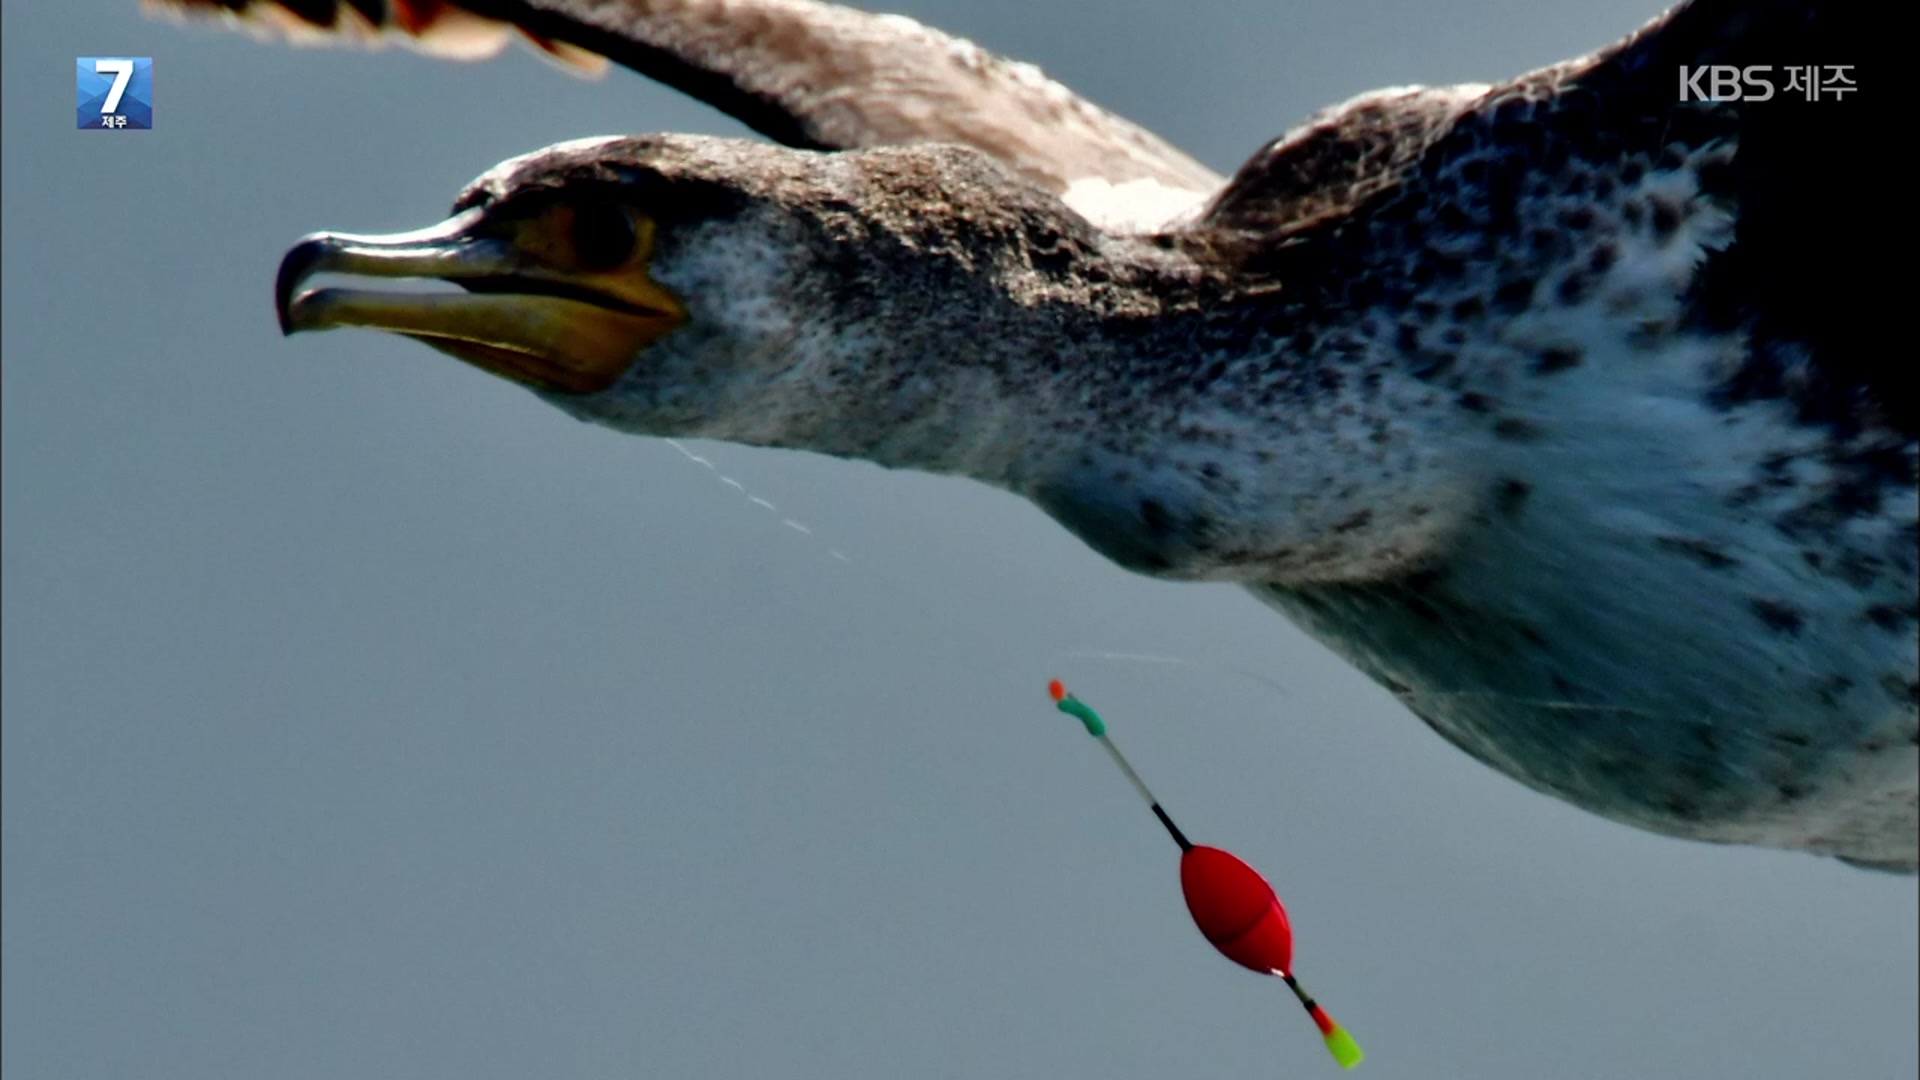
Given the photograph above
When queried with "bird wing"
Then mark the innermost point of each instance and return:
(1807, 185)
(810, 75)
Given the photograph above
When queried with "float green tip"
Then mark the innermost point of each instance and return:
(1077, 709)
(1343, 1048)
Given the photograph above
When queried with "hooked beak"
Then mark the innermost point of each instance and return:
(550, 328)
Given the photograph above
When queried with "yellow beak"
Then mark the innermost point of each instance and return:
(553, 330)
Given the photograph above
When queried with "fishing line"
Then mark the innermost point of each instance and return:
(757, 500)
(1214, 666)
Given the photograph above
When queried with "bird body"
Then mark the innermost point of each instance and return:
(1557, 406)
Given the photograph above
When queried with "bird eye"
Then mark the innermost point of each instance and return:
(604, 235)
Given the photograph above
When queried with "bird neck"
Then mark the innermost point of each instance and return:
(921, 309)
(1173, 429)
(987, 371)
(940, 315)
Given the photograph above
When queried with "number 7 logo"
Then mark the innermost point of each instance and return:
(115, 93)
(122, 72)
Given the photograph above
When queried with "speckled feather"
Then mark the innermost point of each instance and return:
(1557, 406)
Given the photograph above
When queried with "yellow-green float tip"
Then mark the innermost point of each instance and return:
(1344, 1050)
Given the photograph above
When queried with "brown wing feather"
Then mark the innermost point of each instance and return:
(811, 75)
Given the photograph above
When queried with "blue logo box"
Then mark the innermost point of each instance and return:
(115, 92)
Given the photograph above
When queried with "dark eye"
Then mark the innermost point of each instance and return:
(603, 235)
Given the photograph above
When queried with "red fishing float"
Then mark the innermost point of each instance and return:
(1235, 908)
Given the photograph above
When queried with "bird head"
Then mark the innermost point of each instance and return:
(658, 284)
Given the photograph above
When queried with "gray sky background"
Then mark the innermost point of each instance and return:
(365, 717)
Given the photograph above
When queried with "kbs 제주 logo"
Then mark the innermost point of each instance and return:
(115, 92)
